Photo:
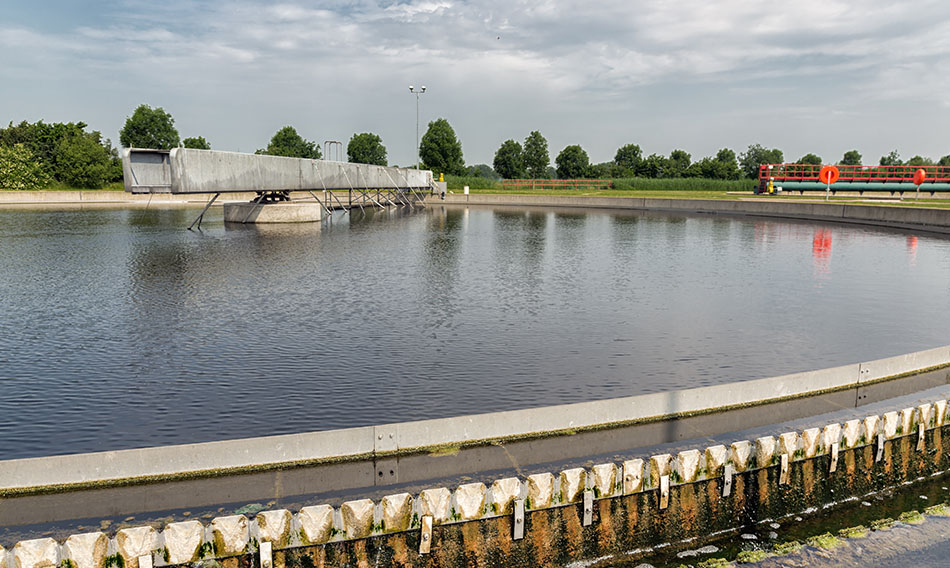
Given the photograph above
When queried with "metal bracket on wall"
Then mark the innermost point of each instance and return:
(834, 458)
(519, 520)
(386, 440)
(425, 539)
(921, 430)
(145, 561)
(588, 508)
(880, 447)
(783, 477)
(664, 492)
(727, 480)
(267, 554)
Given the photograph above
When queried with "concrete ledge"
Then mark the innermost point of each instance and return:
(100, 469)
(272, 212)
(916, 218)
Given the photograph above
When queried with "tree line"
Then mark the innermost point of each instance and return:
(36, 155)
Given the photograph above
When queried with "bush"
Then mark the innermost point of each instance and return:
(473, 182)
(19, 169)
(684, 184)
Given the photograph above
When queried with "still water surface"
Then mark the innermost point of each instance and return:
(119, 328)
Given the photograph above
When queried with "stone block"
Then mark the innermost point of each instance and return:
(788, 444)
(183, 541)
(135, 542)
(316, 524)
(88, 550)
(274, 527)
(604, 479)
(739, 454)
(831, 434)
(811, 439)
(764, 451)
(503, 495)
(940, 412)
(397, 512)
(870, 427)
(925, 415)
(573, 483)
(907, 421)
(230, 535)
(660, 465)
(435, 503)
(36, 553)
(632, 476)
(540, 490)
(357, 518)
(890, 424)
(851, 433)
(687, 466)
(716, 457)
(470, 501)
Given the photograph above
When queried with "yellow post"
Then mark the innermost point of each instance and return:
(441, 178)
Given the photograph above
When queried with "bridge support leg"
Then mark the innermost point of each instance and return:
(203, 211)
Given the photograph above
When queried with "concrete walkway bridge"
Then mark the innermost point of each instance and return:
(273, 178)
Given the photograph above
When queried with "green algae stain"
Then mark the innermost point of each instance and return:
(854, 532)
(714, 563)
(911, 518)
(941, 510)
(882, 524)
(787, 547)
(826, 541)
(751, 556)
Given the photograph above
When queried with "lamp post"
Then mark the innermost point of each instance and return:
(417, 93)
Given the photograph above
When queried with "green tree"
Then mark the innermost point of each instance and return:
(19, 169)
(944, 161)
(366, 148)
(572, 163)
(481, 170)
(286, 142)
(812, 159)
(851, 158)
(536, 158)
(196, 142)
(678, 163)
(628, 158)
(755, 156)
(149, 128)
(440, 150)
(653, 166)
(919, 161)
(892, 159)
(509, 160)
(83, 162)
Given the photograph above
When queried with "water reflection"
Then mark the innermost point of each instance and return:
(123, 329)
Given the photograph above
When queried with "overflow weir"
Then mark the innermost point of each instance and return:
(580, 513)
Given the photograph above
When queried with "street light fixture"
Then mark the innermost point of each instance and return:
(417, 93)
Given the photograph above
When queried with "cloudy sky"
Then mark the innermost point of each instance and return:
(819, 76)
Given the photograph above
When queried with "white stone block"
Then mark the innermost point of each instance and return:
(230, 534)
(764, 451)
(135, 542)
(940, 412)
(316, 524)
(788, 444)
(870, 428)
(891, 424)
(183, 541)
(716, 457)
(907, 421)
(36, 553)
(811, 439)
(274, 527)
(830, 435)
(397, 512)
(924, 414)
(573, 483)
(357, 517)
(687, 465)
(739, 454)
(470, 501)
(435, 503)
(605, 479)
(540, 490)
(88, 550)
(660, 465)
(503, 495)
(851, 433)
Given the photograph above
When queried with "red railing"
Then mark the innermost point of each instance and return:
(555, 184)
(882, 174)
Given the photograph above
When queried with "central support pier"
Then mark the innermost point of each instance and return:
(287, 212)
